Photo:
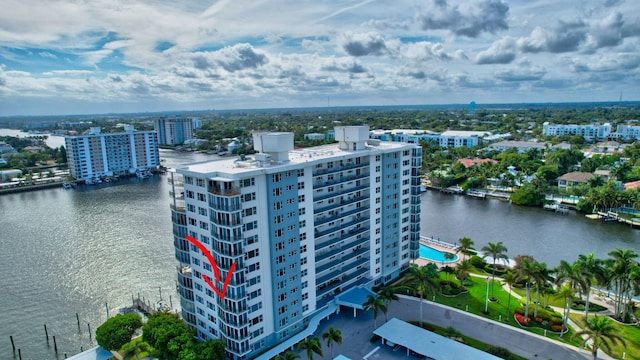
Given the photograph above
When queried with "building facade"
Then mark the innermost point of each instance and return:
(589, 132)
(627, 132)
(300, 226)
(174, 131)
(96, 155)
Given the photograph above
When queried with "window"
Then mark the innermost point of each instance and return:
(278, 219)
(200, 182)
(300, 185)
(249, 196)
(202, 197)
(301, 198)
(277, 191)
(276, 177)
(302, 211)
(280, 245)
(277, 205)
(202, 211)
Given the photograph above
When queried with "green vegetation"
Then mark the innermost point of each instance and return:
(117, 331)
(545, 299)
(174, 339)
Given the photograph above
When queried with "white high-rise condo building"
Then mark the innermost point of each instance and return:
(302, 227)
(95, 155)
(174, 131)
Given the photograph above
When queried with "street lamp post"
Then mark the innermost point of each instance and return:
(486, 298)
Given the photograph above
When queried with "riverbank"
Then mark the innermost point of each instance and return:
(31, 187)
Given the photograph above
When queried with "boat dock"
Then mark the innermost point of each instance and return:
(611, 216)
(477, 193)
(452, 190)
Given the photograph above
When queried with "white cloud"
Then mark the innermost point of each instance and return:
(290, 52)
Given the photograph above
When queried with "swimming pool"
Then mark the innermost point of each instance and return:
(434, 255)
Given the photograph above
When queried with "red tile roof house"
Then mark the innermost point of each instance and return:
(632, 185)
(470, 162)
(573, 178)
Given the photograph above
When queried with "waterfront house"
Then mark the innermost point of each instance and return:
(573, 178)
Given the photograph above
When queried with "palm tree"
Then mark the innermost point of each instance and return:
(466, 245)
(566, 292)
(388, 294)
(622, 266)
(540, 276)
(423, 279)
(499, 252)
(311, 345)
(601, 333)
(572, 275)
(376, 304)
(462, 271)
(594, 273)
(332, 336)
(510, 279)
(289, 355)
(524, 269)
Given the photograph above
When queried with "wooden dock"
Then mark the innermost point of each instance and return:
(611, 216)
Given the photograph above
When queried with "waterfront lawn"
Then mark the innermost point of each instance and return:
(630, 334)
(475, 300)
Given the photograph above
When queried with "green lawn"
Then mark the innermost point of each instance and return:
(474, 302)
(630, 333)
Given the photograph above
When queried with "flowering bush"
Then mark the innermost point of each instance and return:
(521, 320)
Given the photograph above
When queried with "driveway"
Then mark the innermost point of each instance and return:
(356, 333)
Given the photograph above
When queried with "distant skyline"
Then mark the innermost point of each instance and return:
(105, 56)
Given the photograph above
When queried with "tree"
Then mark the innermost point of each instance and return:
(289, 355)
(134, 349)
(466, 245)
(510, 279)
(311, 346)
(566, 292)
(498, 252)
(388, 294)
(423, 279)
(594, 273)
(462, 271)
(572, 276)
(601, 333)
(168, 334)
(117, 331)
(332, 336)
(524, 268)
(540, 276)
(376, 304)
(623, 271)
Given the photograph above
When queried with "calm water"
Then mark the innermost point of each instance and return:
(67, 252)
(547, 236)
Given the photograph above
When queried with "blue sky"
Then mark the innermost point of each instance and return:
(99, 56)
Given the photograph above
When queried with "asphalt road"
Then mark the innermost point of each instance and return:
(357, 332)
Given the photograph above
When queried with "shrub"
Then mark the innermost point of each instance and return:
(500, 352)
(500, 270)
(477, 261)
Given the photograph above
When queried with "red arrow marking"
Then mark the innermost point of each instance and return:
(206, 253)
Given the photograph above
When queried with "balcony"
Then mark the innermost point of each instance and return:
(345, 167)
(343, 191)
(223, 191)
(320, 220)
(346, 225)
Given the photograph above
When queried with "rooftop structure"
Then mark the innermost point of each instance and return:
(302, 227)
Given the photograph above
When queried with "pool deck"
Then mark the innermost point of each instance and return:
(440, 246)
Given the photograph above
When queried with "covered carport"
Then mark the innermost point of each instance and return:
(354, 298)
(427, 344)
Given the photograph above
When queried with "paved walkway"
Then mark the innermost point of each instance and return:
(357, 332)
